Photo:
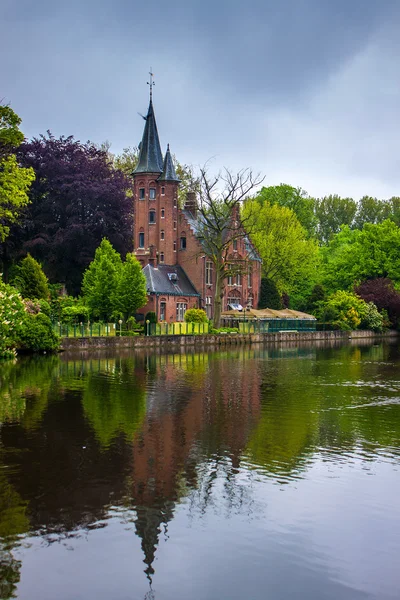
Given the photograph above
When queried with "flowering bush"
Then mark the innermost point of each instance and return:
(12, 313)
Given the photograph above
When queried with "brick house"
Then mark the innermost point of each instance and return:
(179, 274)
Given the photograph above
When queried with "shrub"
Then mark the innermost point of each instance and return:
(371, 318)
(12, 313)
(30, 279)
(36, 334)
(347, 311)
(151, 316)
(74, 314)
(195, 315)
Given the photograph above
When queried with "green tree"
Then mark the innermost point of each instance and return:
(12, 313)
(30, 279)
(289, 257)
(269, 295)
(15, 181)
(332, 212)
(100, 281)
(354, 256)
(131, 291)
(296, 199)
(371, 210)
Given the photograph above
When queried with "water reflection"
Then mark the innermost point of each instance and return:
(90, 441)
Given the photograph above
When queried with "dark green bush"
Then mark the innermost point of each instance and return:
(151, 316)
(37, 334)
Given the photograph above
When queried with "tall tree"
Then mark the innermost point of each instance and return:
(296, 199)
(131, 291)
(354, 256)
(30, 279)
(100, 281)
(332, 212)
(289, 256)
(77, 199)
(15, 181)
(269, 295)
(220, 223)
(371, 210)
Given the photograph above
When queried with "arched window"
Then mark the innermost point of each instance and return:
(183, 242)
(152, 216)
(162, 213)
(141, 239)
(161, 257)
(162, 235)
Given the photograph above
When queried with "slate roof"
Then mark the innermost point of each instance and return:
(159, 281)
(169, 173)
(195, 225)
(150, 157)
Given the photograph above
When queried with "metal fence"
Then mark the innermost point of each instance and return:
(275, 325)
(118, 329)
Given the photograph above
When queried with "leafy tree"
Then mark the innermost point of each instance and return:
(371, 210)
(15, 181)
(30, 279)
(269, 295)
(131, 291)
(383, 294)
(342, 309)
(100, 281)
(12, 313)
(318, 294)
(37, 334)
(332, 212)
(354, 256)
(195, 315)
(294, 198)
(78, 198)
(220, 223)
(289, 256)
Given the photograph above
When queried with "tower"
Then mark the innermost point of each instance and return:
(155, 198)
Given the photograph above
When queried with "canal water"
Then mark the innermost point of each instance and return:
(244, 474)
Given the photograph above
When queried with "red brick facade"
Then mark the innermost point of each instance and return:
(163, 235)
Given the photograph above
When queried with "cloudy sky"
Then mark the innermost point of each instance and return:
(305, 91)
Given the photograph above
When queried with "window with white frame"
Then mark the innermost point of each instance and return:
(209, 306)
(161, 257)
(209, 270)
(163, 310)
(152, 193)
(162, 213)
(181, 308)
(162, 234)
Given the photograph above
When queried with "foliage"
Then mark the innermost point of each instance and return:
(196, 315)
(151, 316)
(269, 295)
(317, 295)
(354, 255)
(14, 186)
(36, 334)
(131, 292)
(289, 258)
(12, 313)
(30, 279)
(383, 294)
(294, 198)
(224, 330)
(332, 212)
(345, 310)
(77, 313)
(219, 223)
(100, 281)
(78, 197)
(371, 210)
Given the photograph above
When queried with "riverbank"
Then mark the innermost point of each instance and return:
(171, 342)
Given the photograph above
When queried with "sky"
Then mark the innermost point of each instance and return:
(306, 92)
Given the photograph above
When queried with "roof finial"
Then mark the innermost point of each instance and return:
(167, 147)
(151, 83)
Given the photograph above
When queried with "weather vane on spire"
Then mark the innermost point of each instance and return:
(151, 83)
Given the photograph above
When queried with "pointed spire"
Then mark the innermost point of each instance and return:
(150, 157)
(168, 172)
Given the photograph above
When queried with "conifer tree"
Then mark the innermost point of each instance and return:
(269, 295)
(30, 279)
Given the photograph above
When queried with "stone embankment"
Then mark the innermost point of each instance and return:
(172, 342)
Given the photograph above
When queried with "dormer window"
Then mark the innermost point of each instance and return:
(152, 216)
(152, 193)
(141, 193)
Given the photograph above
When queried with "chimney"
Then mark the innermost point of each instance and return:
(191, 203)
(153, 256)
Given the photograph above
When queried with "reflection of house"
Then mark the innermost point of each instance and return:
(178, 272)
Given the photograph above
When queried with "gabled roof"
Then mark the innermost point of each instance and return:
(150, 157)
(168, 280)
(169, 173)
